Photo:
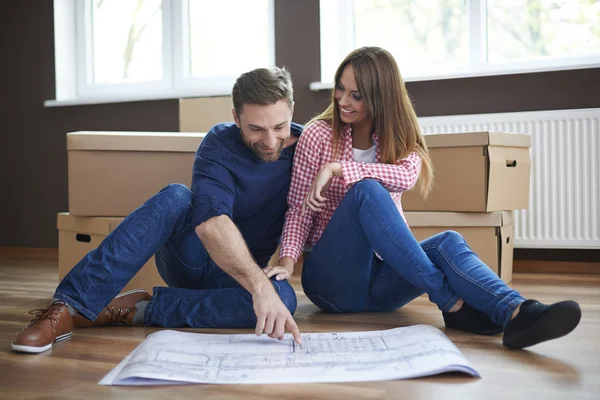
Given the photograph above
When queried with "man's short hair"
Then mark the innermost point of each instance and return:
(262, 86)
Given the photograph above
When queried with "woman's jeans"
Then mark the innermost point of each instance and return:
(200, 294)
(342, 273)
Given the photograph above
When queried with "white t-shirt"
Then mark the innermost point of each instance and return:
(367, 155)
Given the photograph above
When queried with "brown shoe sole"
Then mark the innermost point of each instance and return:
(31, 349)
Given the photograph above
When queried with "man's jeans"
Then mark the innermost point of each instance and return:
(342, 273)
(200, 294)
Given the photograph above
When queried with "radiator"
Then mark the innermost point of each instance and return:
(564, 197)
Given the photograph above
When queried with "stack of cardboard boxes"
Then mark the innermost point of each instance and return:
(110, 174)
(480, 177)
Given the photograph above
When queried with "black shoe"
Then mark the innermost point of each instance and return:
(471, 320)
(537, 322)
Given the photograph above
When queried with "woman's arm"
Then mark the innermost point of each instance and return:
(298, 222)
(394, 177)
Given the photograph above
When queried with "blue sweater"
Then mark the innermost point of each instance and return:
(230, 180)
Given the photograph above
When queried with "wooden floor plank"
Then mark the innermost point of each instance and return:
(568, 368)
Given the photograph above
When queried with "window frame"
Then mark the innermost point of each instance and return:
(74, 59)
(184, 82)
(337, 40)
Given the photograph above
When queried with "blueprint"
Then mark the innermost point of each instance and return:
(169, 357)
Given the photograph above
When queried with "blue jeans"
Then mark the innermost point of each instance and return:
(342, 274)
(200, 294)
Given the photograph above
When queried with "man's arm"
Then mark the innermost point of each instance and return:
(229, 251)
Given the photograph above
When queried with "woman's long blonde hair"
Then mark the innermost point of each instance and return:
(394, 119)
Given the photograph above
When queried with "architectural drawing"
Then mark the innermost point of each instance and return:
(181, 357)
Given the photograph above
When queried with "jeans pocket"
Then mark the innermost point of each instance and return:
(195, 262)
(176, 273)
(323, 304)
(161, 266)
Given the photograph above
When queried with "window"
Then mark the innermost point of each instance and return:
(125, 41)
(159, 48)
(450, 38)
(526, 29)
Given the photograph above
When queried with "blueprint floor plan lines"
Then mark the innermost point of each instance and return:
(340, 344)
(170, 357)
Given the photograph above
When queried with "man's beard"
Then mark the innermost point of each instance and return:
(255, 148)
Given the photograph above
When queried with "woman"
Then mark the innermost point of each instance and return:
(352, 164)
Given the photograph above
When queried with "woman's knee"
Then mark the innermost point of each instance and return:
(286, 294)
(446, 239)
(451, 236)
(368, 185)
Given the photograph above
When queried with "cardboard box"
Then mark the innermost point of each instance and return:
(476, 172)
(201, 114)
(113, 173)
(79, 235)
(490, 235)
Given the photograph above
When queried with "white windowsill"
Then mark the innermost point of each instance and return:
(314, 86)
(319, 86)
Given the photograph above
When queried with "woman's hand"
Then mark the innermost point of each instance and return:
(314, 198)
(282, 271)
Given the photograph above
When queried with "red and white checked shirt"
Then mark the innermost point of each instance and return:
(314, 149)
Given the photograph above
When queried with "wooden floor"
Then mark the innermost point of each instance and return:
(568, 368)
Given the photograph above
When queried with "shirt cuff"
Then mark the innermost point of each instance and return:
(290, 252)
(209, 207)
(351, 172)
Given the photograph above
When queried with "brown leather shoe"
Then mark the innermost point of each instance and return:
(50, 325)
(120, 311)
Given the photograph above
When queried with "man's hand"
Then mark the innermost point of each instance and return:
(227, 248)
(273, 317)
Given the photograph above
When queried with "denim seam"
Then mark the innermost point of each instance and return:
(182, 230)
(453, 297)
(150, 306)
(387, 233)
(378, 278)
(80, 309)
(337, 310)
(396, 242)
(161, 260)
(456, 270)
(512, 305)
(459, 273)
(305, 269)
(186, 226)
(381, 276)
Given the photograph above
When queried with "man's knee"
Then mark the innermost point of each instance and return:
(178, 195)
(286, 294)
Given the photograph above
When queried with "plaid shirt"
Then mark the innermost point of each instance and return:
(314, 149)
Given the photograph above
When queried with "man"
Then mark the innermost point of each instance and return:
(210, 243)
